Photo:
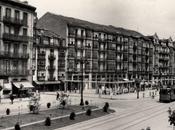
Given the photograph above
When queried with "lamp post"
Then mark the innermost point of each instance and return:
(82, 62)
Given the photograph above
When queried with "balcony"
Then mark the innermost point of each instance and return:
(4, 72)
(102, 59)
(4, 54)
(14, 21)
(41, 78)
(51, 78)
(78, 36)
(41, 56)
(14, 37)
(51, 68)
(51, 57)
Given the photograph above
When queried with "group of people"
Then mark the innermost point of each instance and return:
(60, 96)
(106, 91)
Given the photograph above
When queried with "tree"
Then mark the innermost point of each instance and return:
(172, 119)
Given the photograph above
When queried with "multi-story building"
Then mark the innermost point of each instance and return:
(98, 53)
(16, 42)
(48, 60)
(163, 59)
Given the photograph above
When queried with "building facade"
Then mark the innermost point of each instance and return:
(163, 59)
(16, 41)
(48, 60)
(101, 55)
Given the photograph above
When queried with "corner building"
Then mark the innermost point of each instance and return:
(48, 60)
(16, 42)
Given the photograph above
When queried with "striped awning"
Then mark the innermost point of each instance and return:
(47, 82)
(7, 86)
(23, 84)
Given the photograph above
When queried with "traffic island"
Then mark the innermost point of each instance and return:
(59, 118)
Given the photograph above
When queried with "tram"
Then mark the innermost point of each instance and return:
(167, 95)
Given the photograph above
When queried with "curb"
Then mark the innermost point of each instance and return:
(113, 98)
(54, 118)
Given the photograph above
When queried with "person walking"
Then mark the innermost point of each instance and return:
(57, 96)
(111, 92)
(100, 92)
(11, 98)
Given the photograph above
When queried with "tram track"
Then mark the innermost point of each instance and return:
(116, 117)
(146, 116)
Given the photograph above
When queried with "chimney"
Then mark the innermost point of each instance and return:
(25, 2)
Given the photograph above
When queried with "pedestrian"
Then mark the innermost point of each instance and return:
(143, 94)
(57, 96)
(100, 92)
(11, 98)
(103, 89)
(111, 92)
(169, 110)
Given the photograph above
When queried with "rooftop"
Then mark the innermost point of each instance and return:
(50, 19)
(20, 3)
(47, 33)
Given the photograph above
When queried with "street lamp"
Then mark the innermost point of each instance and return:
(82, 62)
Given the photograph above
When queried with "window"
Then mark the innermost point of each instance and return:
(82, 32)
(6, 48)
(79, 54)
(6, 66)
(24, 49)
(15, 66)
(17, 15)
(7, 29)
(24, 67)
(0, 12)
(52, 51)
(0, 29)
(25, 18)
(76, 31)
(16, 30)
(72, 41)
(15, 49)
(25, 31)
(8, 12)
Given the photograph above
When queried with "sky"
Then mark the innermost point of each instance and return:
(144, 16)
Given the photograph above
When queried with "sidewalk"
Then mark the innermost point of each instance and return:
(21, 105)
(126, 96)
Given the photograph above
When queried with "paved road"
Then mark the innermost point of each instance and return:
(132, 115)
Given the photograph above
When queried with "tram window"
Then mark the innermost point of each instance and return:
(164, 91)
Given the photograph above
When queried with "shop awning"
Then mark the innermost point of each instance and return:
(47, 82)
(23, 84)
(7, 86)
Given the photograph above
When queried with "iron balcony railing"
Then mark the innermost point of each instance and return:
(51, 57)
(5, 72)
(51, 68)
(14, 37)
(4, 54)
(12, 20)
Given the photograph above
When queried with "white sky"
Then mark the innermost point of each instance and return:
(145, 16)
